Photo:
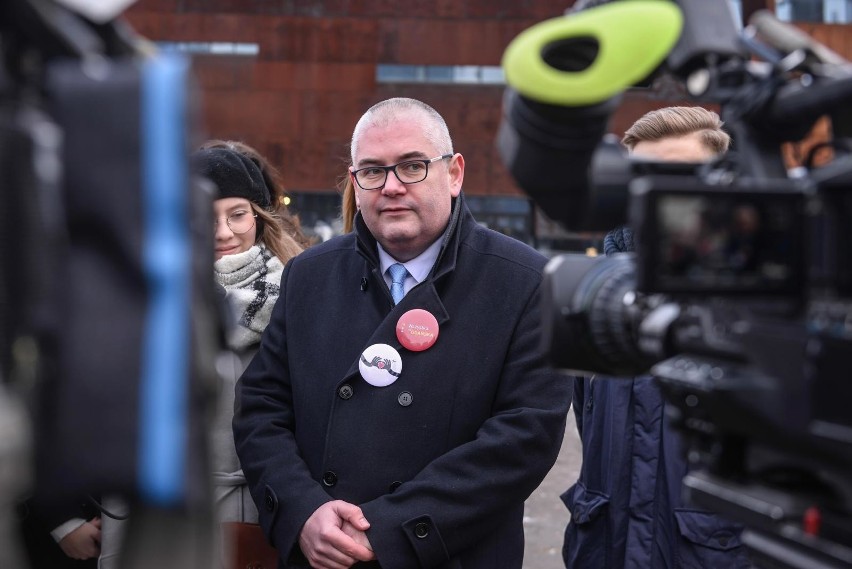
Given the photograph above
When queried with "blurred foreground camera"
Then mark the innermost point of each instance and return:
(109, 331)
(738, 298)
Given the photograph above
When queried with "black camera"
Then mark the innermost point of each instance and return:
(738, 299)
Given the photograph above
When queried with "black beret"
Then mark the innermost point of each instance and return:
(234, 175)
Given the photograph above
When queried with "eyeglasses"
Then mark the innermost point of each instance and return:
(408, 172)
(240, 221)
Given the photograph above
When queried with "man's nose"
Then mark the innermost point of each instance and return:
(393, 185)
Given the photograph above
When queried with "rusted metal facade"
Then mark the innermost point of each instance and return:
(314, 73)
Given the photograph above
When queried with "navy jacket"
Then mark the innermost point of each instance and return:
(441, 460)
(626, 507)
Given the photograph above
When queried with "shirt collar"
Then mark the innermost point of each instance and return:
(419, 266)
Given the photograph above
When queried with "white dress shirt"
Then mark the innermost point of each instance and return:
(418, 268)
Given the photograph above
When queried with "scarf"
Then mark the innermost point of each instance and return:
(251, 280)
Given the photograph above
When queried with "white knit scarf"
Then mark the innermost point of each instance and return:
(251, 280)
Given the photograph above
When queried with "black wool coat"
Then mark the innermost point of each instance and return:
(441, 460)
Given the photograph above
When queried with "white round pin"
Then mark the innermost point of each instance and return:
(380, 365)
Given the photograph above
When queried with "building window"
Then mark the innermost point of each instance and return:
(804, 10)
(444, 74)
(509, 215)
(837, 11)
(211, 48)
(828, 11)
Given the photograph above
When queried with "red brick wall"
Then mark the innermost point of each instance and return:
(298, 100)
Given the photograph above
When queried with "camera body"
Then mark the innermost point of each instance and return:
(737, 302)
(738, 299)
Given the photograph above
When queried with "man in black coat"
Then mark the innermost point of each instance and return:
(401, 416)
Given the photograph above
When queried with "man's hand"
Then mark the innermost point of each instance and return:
(356, 534)
(84, 542)
(324, 541)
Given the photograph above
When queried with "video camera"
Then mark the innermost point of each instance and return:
(738, 299)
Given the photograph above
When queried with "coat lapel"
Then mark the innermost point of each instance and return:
(423, 296)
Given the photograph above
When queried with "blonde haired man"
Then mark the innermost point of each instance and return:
(626, 507)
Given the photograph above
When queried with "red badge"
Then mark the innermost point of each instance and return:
(417, 330)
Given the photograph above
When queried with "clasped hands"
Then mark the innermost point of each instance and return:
(334, 536)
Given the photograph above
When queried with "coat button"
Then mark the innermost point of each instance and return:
(421, 530)
(394, 485)
(269, 502)
(329, 478)
(345, 391)
(405, 398)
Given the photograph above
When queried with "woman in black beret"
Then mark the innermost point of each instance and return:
(254, 237)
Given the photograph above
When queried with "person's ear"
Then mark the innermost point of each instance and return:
(456, 173)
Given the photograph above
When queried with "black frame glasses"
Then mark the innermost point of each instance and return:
(410, 173)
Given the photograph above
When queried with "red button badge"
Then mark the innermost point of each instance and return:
(417, 330)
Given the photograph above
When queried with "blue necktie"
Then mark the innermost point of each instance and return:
(397, 272)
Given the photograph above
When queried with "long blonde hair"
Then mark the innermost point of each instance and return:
(272, 233)
(348, 207)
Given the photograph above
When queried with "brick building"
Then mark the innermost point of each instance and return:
(291, 77)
